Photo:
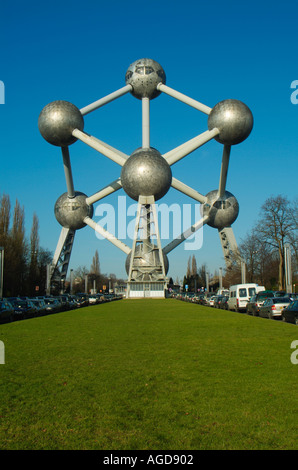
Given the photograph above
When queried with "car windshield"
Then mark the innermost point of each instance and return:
(282, 300)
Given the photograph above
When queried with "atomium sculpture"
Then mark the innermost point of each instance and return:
(146, 176)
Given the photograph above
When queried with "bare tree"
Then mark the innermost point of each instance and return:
(4, 218)
(276, 227)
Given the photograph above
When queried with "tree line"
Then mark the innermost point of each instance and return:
(25, 261)
(262, 250)
(263, 247)
(94, 278)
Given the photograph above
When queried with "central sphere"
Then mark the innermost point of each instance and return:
(146, 173)
(144, 75)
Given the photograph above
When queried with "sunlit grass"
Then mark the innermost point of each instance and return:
(148, 374)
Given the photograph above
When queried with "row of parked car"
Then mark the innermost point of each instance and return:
(266, 304)
(19, 308)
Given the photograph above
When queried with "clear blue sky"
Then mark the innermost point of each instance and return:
(80, 51)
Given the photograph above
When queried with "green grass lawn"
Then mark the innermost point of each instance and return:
(146, 375)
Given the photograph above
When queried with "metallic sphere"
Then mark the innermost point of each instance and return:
(57, 120)
(146, 173)
(149, 259)
(222, 211)
(144, 75)
(233, 119)
(70, 212)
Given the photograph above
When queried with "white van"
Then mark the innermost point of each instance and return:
(240, 295)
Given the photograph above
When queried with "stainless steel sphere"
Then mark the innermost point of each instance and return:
(222, 211)
(70, 212)
(146, 173)
(233, 119)
(147, 259)
(57, 120)
(144, 75)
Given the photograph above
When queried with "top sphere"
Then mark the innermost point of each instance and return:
(144, 75)
(233, 119)
(57, 120)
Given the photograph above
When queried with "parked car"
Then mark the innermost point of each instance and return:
(23, 309)
(240, 295)
(291, 296)
(93, 299)
(290, 313)
(40, 306)
(256, 301)
(82, 299)
(52, 305)
(211, 301)
(217, 301)
(224, 303)
(201, 299)
(272, 308)
(6, 311)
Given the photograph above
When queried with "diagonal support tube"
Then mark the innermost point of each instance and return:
(107, 235)
(106, 99)
(185, 99)
(180, 152)
(102, 147)
(109, 189)
(186, 234)
(183, 188)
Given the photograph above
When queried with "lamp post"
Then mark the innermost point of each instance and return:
(288, 268)
(243, 271)
(71, 281)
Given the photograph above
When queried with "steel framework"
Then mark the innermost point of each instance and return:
(146, 176)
